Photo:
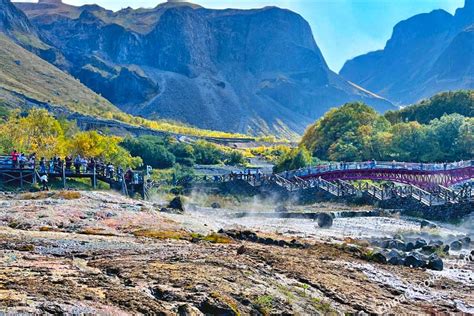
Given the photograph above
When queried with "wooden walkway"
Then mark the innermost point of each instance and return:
(28, 176)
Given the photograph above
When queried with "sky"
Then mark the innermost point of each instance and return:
(343, 29)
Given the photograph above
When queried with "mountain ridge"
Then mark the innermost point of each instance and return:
(249, 71)
(418, 57)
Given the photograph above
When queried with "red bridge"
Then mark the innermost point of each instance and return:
(425, 176)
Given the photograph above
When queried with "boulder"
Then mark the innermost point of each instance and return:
(409, 246)
(427, 225)
(171, 210)
(281, 209)
(177, 203)
(379, 257)
(215, 205)
(456, 245)
(466, 242)
(325, 220)
(420, 243)
(397, 244)
(435, 263)
(436, 243)
(394, 258)
(414, 261)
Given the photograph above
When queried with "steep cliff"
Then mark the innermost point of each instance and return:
(426, 54)
(256, 71)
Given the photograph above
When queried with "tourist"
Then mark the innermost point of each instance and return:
(128, 175)
(42, 166)
(14, 157)
(68, 161)
(110, 170)
(22, 160)
(44, 182)
(77, 164)
(51, 165)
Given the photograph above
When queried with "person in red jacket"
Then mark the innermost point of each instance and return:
(14, 157)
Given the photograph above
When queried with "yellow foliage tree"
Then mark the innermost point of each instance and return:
(106, 148)
(38, 132)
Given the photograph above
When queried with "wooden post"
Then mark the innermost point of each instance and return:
(64, 176)
(94, 179)
(21, 179)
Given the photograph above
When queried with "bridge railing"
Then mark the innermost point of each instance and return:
(315, 170)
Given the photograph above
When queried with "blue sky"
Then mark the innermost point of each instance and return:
(343, 29)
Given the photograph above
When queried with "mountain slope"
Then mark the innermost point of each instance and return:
(426, 54)
(25, 76)
(251, 71)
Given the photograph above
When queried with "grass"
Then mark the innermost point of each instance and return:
(65, 195)
(322, 306)
(95, 231)
(265, 303)
(182, 235)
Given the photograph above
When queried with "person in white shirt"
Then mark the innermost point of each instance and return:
(44, 182)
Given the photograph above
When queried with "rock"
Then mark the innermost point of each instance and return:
(325, 220)
(409, 246)
(436, 243)
(456, 245)
(427, 225)
(466, 242)
(378, 257)
(281, 209)
(435, 263)
(171, 210)
(215, 205)
(177, 203)
(394, 258)
(188, 310)
(420, 243)
(397, 244)
(241, 250)
(414, 261)
(428, 249)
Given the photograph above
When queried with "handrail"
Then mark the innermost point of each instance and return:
(314, 170)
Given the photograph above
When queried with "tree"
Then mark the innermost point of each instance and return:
(37, 132)
(295, 159)
(107, 148)
(345, 133)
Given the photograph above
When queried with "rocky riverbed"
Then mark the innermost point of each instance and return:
(101, 253)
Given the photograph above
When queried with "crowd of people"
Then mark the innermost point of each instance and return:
(72, 165)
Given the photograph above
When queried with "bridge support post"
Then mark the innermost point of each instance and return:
(94, 179)
(21, 179)
(64, 177)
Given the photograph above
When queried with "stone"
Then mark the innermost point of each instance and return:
(436, 243)
(427, 225)
(414, 261)
(435, 263)
(188, 310)
(171, 210)
(281, 209)
(325, 220)
(466, 242)
(378, 257)
(409, 246)
(397, 244)
(241, 250)
(177, 203)
(215, 205)
(420, 243)
(394, 258)
(456, 245)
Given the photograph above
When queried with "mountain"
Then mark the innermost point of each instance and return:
(26, 79)
(249, 71)
(426, 54)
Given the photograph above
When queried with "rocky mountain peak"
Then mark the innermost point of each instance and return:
(50, 2)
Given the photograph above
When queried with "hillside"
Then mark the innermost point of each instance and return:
(25, 76)
(460, 102)
(427, 54)
(250, 71)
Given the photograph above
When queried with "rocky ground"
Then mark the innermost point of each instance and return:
(100, 253)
